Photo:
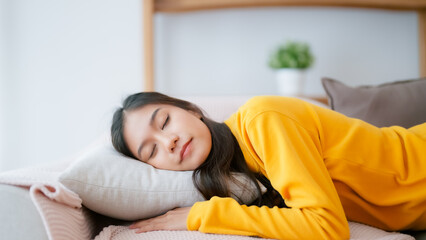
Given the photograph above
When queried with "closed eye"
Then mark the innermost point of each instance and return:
(155, 146)
(153, 150)
(165, 122)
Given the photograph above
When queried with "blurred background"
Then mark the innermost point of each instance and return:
(66, 65)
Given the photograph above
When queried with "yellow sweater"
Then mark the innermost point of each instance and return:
(327, 167)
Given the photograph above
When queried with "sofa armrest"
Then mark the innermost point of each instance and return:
(18, 215)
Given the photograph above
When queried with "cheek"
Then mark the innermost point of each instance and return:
(157, 162)
(207, 139)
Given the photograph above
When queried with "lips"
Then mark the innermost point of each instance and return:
(184, 149)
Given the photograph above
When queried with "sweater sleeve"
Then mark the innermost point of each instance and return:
(292, 160)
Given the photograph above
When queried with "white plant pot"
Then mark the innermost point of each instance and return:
(290, 81)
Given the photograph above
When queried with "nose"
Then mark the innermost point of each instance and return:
(169, 141)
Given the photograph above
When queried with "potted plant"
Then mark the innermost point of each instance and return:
(290, 60)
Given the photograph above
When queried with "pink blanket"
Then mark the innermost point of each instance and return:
(64, 218)
(59, 208)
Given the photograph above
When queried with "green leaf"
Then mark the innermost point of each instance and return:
(291, 55)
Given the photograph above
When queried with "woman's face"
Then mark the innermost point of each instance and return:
(167, 137)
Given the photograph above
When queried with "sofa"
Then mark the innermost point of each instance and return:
(41, 203)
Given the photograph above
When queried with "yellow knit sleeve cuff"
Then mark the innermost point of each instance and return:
(193, 221)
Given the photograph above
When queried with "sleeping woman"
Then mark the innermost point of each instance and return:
(320, 167)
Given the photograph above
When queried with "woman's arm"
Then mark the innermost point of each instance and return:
(172, 220)
(291, 158)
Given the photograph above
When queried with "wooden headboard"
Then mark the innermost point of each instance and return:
(150, 7)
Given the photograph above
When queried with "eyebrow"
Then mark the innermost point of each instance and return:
(151, 122)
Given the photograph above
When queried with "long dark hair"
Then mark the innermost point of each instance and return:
(212, 177)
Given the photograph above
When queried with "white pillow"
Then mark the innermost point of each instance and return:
(120, 187)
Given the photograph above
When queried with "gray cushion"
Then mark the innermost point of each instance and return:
(401, 103)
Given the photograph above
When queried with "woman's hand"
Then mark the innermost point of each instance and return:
(172, 220)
